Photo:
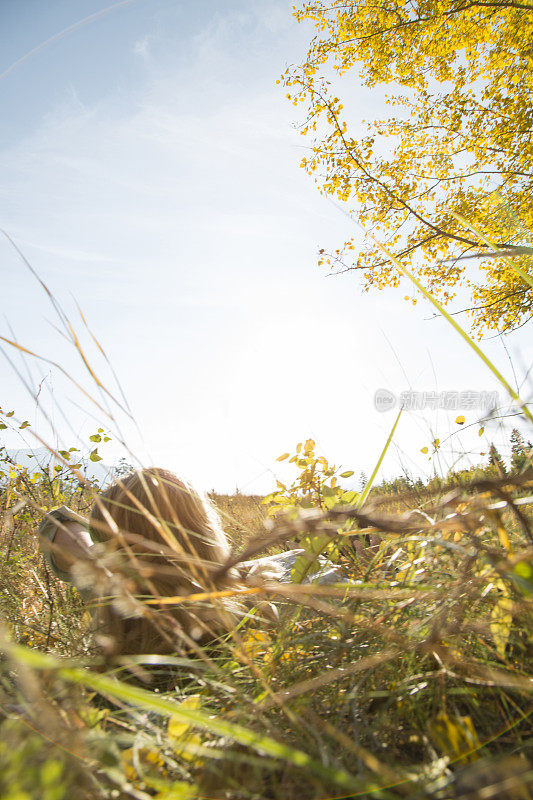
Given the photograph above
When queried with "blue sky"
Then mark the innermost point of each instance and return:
(149, 170)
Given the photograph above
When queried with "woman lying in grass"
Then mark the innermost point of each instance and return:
(151, 537)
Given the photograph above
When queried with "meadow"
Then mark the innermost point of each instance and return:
(409, 678)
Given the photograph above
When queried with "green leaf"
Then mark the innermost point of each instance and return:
(304, 565)
(347, 474)
(177, 790)
(349, 497)
(64, 454)
(481, 431)
(94, 455)
(524, 569)
(10, 413)
(522, 576)
(2, 426)
(307, 563)
(200, 719)
(95, 437)
(331, 502)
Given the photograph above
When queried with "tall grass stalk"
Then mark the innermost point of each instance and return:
(369, 484)
(453, 322)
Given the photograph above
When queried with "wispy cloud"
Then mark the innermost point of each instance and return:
(141, 48)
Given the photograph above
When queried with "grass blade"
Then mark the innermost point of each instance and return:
(141, 698)
(468, 339)
(364, 494)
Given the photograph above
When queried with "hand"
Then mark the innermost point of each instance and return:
(71, 543)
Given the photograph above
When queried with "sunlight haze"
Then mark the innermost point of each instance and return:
(150, 173)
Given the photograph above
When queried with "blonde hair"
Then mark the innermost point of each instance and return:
(163, 539)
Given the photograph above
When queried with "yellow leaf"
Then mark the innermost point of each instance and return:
(283, 457)
(460, 420)
(424, 450)
(176, 728)
(256, 643)
(504, 539)
(126, 758)
(188, 747)
(455, 736)
(185, 742)
(501, 621)
(178, 790)
(135, 762)
(290, 653)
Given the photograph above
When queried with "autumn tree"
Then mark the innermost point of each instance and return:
(460, 81)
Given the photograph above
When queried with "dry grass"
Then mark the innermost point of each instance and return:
(409, 680)
(243, 516)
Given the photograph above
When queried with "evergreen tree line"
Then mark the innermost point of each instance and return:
(521, 455)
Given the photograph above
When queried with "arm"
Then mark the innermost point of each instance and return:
(71, 543)
(64, 538)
